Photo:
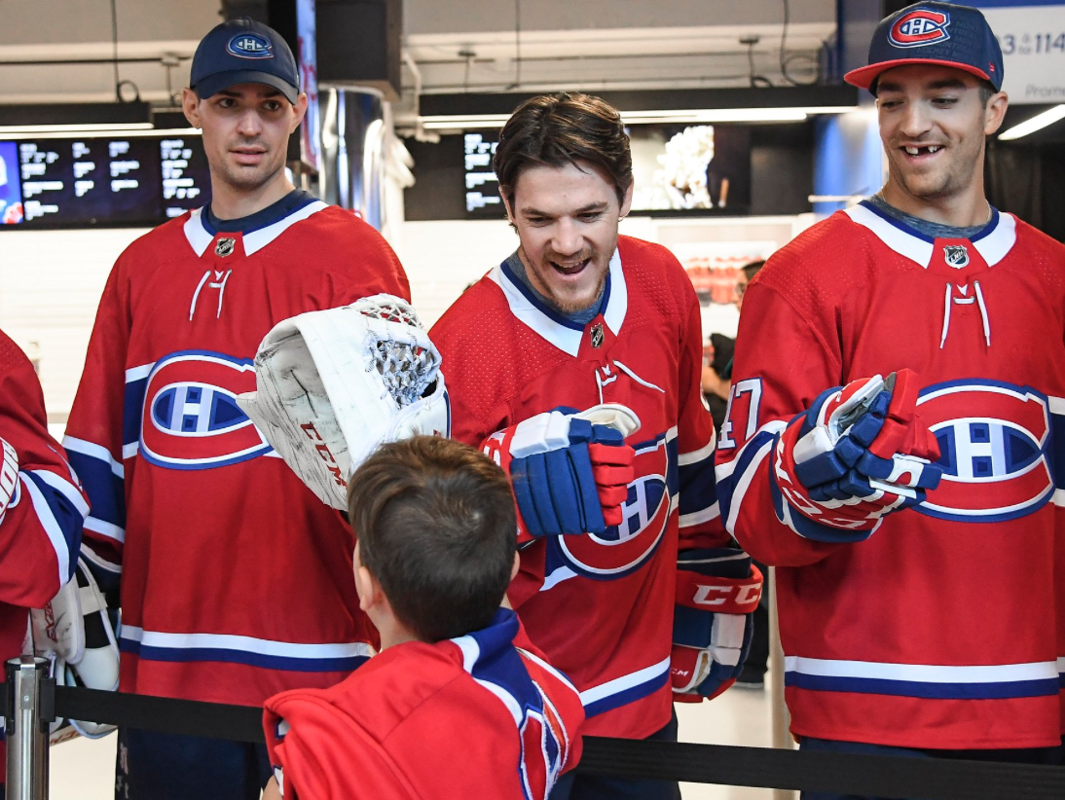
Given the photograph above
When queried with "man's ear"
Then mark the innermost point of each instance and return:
(299, 109)
(516, 566)
(626, 201)
(506, 205)
(995, 112)
(190, 104)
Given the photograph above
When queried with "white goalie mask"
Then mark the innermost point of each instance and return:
(333, 385)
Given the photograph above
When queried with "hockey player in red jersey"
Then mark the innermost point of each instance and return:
(42, 505)
(450, 708)
(581, 319)
(915, 516)
(235, 580)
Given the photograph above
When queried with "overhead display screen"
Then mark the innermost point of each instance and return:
(677, 170)
(100, 181)
(482, 188)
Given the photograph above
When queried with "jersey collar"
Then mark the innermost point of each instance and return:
(200, 236)
(993, 242)
(548, 323)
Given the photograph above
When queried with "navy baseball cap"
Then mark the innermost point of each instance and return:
(932, 33)
(244, 51)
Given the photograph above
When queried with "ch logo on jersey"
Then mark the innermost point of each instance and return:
(190, 418)
(250, 45)
(920, 27)
(542, 750)
(624, 548)
(994, 442)
(956, 256)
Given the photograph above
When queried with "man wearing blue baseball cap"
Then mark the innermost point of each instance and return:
(234, 579)
(913, 512)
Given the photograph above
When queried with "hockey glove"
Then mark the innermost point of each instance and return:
(718, 590)
(74, 631)
(8, 475)
(859, 453)
(570, 471)
(333, 385)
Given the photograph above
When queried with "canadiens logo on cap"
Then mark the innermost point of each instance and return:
(920, 27)
(250, 45)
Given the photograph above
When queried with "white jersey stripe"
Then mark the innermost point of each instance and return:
(922, 673)
(618, 685)
(251, 644)
(99, 452)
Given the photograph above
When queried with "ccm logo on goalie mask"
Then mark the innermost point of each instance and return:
(624, 548)
(191, 419)
(994, 440)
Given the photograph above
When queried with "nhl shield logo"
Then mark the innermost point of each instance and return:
(597, 335)
(956, 256)
(224, 247)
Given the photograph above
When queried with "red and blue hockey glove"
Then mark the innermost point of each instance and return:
(718, 590)
(857, 454)
(570, 471)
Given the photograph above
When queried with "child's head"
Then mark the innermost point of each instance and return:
(436, 529)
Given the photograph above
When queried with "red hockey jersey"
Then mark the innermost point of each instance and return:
(601, 608)
(467, 717)
(235, 579)
(40, 526)
(939, 630)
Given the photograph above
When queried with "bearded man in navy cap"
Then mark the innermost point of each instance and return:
(899, 451)
(234, 579)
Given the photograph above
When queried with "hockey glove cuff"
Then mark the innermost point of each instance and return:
(718, 590)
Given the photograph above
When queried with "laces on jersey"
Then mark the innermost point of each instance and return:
(978, 298)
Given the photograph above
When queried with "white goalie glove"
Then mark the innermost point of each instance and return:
(333, 385)
(73, 631)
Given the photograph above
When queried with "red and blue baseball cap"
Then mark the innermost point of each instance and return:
(244, 51)
(932, 33)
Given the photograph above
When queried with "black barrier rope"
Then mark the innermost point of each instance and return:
(879, 776)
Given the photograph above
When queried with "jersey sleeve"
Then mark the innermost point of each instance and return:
(782, 363)
(700, 518)
(376, 269)
(40, 528)
(102, 430)
(307, 740)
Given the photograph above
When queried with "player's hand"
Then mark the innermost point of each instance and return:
(8, 474)
(718, 590)
(570, 471)
(859, 453)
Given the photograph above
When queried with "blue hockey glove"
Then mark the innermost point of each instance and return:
(857, 454)
(570, 471)
(718, 590)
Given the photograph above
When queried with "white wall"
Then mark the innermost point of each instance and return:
(50, 286)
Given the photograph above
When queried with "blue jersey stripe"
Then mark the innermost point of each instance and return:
(930, 691)
(227, 656)
(105, 489)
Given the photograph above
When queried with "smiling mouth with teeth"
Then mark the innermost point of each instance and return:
(923, 150)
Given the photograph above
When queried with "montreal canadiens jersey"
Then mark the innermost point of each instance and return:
(940, 630)
(468, 717)
(600, 607)
(235, 579)
(40, 526)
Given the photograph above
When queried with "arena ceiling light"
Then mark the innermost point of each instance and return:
(73, 118)
(682, 106)
(678, 116)
(1036, 123)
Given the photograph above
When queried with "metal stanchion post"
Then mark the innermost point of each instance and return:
(27, 738)
(781, 735)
